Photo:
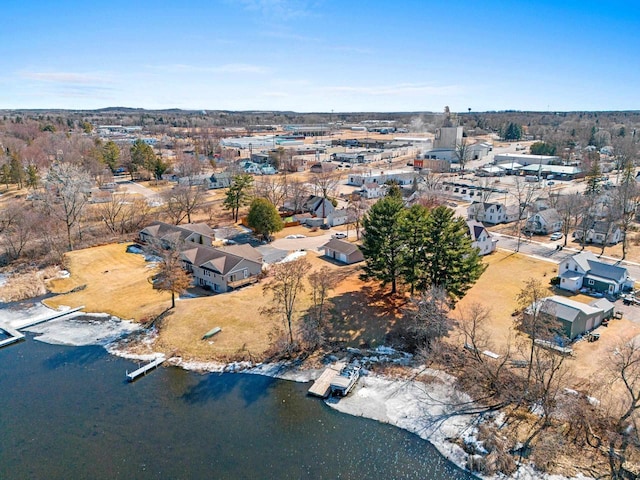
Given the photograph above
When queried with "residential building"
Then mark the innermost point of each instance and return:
(600, 233)
(219, 269)
(545, 221)
(168, 236)
(373, 190)
(492, 213)
(338, 217)
(481, 238)
(584, 271)
(222, 269)
(318, 206)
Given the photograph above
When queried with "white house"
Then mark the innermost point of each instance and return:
(493, 213)
(338, 217)
(481, 238)
(373, 190)
(600, 233)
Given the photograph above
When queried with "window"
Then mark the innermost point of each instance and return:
(567, 265)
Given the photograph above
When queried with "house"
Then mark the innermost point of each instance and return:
(222, 269)
(219, 269)
(480, 238)
(584, 270)
(373, 190)
(600, 233)
(338, 217)
(318, 206)
(220, 180)
(545, 221)
(575, 317)
(492, 213)
(171, 235)
(345, 252)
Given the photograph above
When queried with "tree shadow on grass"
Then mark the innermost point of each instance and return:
(364, 318)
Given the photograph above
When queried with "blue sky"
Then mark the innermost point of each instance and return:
(321, 55)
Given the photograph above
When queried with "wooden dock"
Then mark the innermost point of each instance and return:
(144, 369)
(14, 336)
(322, 386)
(35, 321)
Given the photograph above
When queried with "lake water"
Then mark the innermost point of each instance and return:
(67, 413)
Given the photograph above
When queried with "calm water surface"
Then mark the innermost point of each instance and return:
(66, 413)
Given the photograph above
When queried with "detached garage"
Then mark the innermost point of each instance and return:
(341, 251)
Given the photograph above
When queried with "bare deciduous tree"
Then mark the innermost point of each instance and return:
(183, 201)
(285, 286)
(430, 319)
(124, 214)
(272, 188)
(169, 275)
(535, 318)
(66, 189)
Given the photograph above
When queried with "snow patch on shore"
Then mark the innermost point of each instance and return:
(80, 329)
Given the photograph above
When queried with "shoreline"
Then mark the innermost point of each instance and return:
(419, 407)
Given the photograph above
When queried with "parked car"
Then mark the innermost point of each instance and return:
(339, 235)
(556, 236)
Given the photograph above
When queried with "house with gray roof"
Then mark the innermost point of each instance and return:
(222, 269)
(545, 221)
(584, 271)
(168, 235)
(599, 232)
(574, 317)
(219, 269)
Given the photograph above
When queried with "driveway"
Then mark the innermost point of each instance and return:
(151, 196)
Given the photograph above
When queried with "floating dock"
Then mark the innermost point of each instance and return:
(14, 336)
(143, 370)
(322, 386)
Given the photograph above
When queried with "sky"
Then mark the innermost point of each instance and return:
(321, 55)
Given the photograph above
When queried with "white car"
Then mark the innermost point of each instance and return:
(339, 235)
(555, 236)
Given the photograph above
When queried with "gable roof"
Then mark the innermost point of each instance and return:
(341, 246)
(590, 264)
(567, 309)
(550, 216)
(216, 259)
(245, 251)
(475, 229)
(173, 233)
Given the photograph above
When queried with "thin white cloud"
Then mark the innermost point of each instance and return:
(280, 9)
(67, 77)
(275, 94)
(229, 68)
(396, 90)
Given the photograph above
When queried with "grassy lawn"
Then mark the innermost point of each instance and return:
(116, 283)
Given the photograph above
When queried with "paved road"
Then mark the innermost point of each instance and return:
(546, 250)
